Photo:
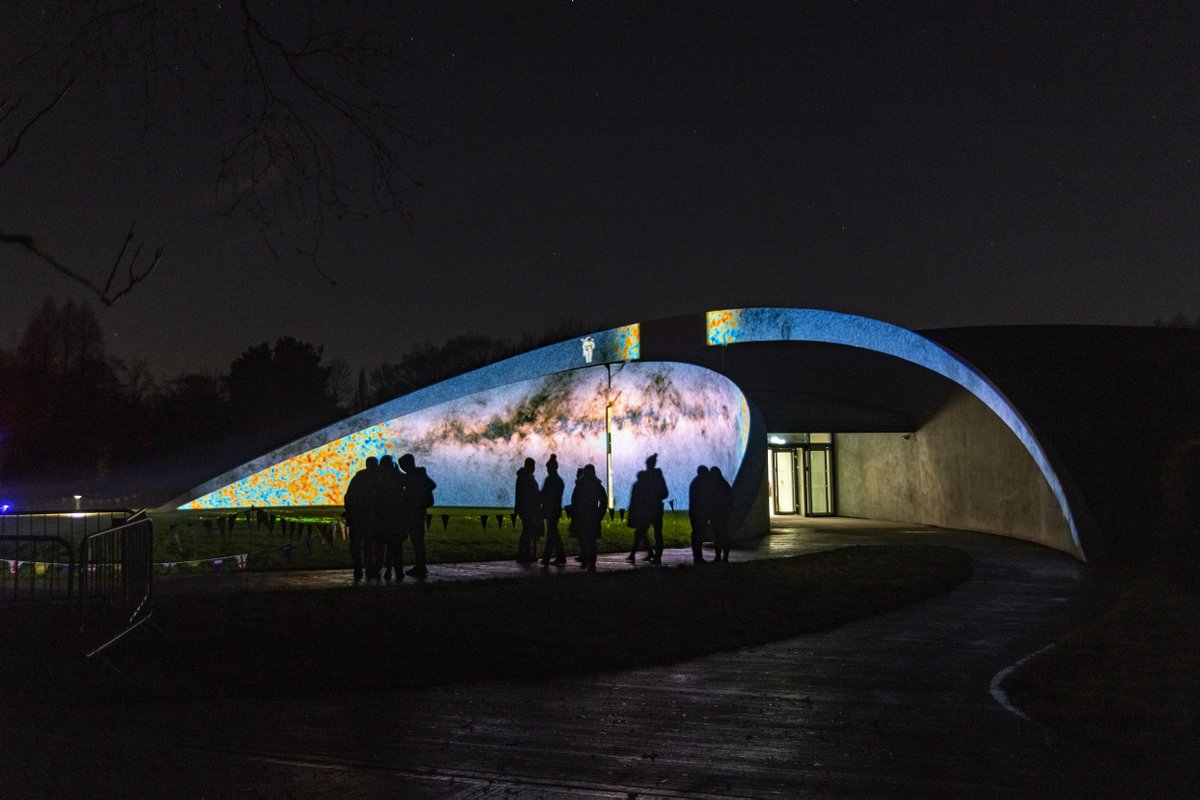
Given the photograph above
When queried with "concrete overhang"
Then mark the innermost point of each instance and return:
(812, 386)
(873, 376)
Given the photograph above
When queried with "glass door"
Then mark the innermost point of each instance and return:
(819, 486)
(783, 481)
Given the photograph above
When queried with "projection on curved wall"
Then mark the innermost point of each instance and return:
(473, 445)
(732, 326)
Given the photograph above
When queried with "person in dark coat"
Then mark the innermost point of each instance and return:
(656, 493)
(389, 536)
(551, 497)
(415, 503)
(722, 509)
(570, 520)
(527, 506)
(641, 513)
(588, 502)
(358, 514)
(699, 511)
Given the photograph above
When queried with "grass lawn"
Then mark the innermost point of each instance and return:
(366, 638)
(303, 538)
(1129, 682)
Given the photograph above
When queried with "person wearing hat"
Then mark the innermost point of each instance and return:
(588, 501)
(653, 495)
(551, 499)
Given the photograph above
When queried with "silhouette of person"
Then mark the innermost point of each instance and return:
(527, 505)
(722, 508)
(415, 502)
(641, 512)
(571, 515)
(656, 492)
(588, 502)
(389, 539)
(358, 514)
(699, 511)
(551, 499)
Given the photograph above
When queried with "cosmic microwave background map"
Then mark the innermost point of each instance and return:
(473, 445)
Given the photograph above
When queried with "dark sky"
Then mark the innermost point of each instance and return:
(612, 162)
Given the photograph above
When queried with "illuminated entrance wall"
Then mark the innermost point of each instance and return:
(733, 326)
(473, 445)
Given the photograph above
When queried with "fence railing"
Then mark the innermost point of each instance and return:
(37, 550)
(69, 525)
(34, 567)
(98, 563)
(115, 582)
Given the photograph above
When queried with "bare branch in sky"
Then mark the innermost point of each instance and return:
(136, 268)
(300, 110)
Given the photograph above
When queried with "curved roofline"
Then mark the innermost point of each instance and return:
(765, 324)
(606, 347)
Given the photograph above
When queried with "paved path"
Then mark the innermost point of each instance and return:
(896, 705)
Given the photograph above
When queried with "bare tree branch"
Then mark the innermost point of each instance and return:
(301, 106)
(135, 273)
(15, 144)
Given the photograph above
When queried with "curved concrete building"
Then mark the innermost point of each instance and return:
(812, 412)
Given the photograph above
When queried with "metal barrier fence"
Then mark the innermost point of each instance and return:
(37, 550)
(115, 582)
(35, 567)
(69, 525)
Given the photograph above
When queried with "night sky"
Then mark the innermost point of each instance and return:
(613, 162)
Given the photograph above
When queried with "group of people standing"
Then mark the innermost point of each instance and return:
(540, 509)
(710, 504)
(386, 503)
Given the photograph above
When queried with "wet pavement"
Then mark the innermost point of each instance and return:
(894, 705)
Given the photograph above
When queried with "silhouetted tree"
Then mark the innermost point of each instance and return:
(425, 364)
(191, 409)
(341, 384)
(61, 394)
(283, 386)
(301, 101)
(361, 395)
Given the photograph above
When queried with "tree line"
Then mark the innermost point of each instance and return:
(69, 409)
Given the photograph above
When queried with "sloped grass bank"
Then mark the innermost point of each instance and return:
(368, 638)
(1128, 683)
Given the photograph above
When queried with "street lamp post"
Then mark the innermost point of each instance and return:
(608, 458)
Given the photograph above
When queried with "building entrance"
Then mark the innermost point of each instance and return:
(801, 470)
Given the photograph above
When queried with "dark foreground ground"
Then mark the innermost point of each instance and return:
(896, 705)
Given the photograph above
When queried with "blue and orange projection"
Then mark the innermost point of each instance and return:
(472, 445)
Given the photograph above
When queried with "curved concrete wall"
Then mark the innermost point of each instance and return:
(736, 326)
(963, 469)
(751, 506)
